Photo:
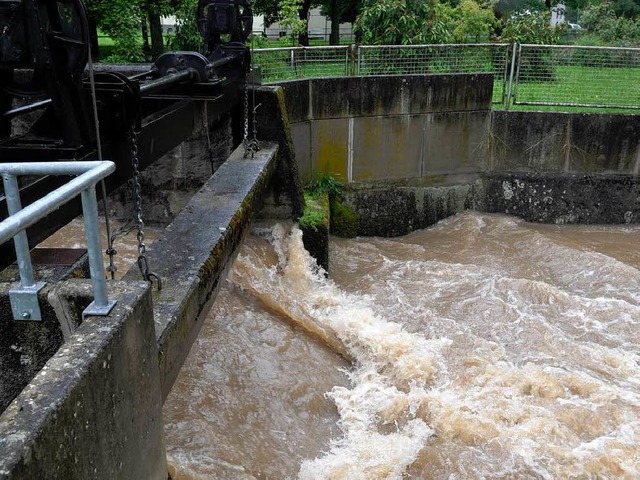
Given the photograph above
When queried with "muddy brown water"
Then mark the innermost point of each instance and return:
(483, 347)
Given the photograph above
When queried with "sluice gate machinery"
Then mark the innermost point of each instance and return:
(55, 106)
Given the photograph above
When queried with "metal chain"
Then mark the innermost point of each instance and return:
(143, 263)
(253, 94)
(250, 147)
(245, 140)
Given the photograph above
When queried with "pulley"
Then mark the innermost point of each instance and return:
(36, 35)
(224, 21)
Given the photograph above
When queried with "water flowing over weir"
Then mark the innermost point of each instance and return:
(484, 347)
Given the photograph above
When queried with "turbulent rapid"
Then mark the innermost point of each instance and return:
(484, 347)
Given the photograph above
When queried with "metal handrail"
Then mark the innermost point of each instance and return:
(24, 299)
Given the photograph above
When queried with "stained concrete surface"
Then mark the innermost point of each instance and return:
(195, 251)
(95, 409)
(563, 198)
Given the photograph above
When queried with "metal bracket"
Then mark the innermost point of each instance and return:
(94, 310)
(24, 302)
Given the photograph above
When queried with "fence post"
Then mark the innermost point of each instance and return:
(304, 60)
(513, 64)
(352, 58)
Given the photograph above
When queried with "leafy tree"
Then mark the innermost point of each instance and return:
(472, 20)
(397, 22)
(272, 14)
(187, 36)
(340, 11)
(530, 27)
(152, 11)
(290, 19)
(466, 20)
(120, 19)
(607, 28)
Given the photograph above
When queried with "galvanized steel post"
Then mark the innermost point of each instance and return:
(24, 299)
(101, 304)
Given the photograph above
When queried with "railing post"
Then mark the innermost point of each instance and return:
(24, 299)
(513, 64)
(101, 304)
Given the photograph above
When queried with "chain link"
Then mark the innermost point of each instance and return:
(250, 146)
(143, 263)
(245, 140)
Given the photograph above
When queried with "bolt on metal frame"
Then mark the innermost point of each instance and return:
(24, 299)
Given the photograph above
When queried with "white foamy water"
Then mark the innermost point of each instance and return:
(484, 347)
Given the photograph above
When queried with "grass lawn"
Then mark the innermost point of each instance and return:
(588, 86)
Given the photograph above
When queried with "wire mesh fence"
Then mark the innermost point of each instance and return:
(577, 76)
(450, 58)
(555, 75)
(303, 62)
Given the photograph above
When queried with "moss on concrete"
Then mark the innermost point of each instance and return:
(344, 221)
(314, 224)
(316, 211)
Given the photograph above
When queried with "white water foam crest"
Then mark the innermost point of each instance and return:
(520, 420)
(390, 364)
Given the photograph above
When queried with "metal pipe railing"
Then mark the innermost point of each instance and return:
(24, 299)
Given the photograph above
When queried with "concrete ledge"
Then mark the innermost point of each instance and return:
(94, 411)
(194, 252)
(392, 210)
(342, 97)
(563, 198)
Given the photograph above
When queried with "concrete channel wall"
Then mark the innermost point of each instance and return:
(354, 126)
(95, 408)
(416, 149)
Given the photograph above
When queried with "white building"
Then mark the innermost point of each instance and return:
(557, 14)
(319, 27)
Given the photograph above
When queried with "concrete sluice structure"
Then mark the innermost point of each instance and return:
(84, 399)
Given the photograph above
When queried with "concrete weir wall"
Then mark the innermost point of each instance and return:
(557, 167)
(353, 126)
(416, 149)
(410, 147)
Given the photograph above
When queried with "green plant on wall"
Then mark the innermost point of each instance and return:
(315, 212)
(326, 183)
(344, 221)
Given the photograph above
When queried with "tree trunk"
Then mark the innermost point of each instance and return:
(93, 38)
(155, 28)
(303, 38)
(146, 48)
(334, 38)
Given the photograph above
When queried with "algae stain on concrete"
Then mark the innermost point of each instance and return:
(331, 151)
